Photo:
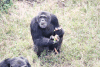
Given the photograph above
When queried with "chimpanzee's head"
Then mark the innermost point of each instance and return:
(15, 62)
(43, 19)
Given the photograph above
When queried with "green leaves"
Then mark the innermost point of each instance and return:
(4, 5)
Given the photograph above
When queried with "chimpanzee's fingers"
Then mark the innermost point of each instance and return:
(59, 28)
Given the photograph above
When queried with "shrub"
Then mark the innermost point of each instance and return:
(4, 5)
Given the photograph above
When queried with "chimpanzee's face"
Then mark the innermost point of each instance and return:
(44, 19)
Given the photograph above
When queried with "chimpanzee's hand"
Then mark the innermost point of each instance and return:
(59, 31)
(55, 38)
(52, 37)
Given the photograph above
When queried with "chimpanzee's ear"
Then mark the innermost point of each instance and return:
(5, 63)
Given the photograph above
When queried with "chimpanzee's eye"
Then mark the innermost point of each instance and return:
(45, 17)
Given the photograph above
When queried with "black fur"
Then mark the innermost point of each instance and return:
(15, 62)
(41, 36)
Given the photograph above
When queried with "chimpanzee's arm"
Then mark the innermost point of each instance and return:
(55, 22)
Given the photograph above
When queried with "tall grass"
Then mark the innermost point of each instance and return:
(80, 20)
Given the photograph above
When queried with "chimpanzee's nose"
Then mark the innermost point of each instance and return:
(42, 20)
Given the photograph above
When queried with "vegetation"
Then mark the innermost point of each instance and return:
(80, 20)
(5, 4)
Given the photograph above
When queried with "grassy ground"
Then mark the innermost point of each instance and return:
(80, 20)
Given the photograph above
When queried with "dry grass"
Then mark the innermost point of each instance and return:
(80, 20)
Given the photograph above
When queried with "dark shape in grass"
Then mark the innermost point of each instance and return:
(15, 62)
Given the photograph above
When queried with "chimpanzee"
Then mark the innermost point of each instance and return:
(46, 33)
(15, 62)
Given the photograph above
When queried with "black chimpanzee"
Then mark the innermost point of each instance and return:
(44, 28)
(15, 62)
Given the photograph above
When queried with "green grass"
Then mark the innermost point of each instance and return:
(80, 20)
